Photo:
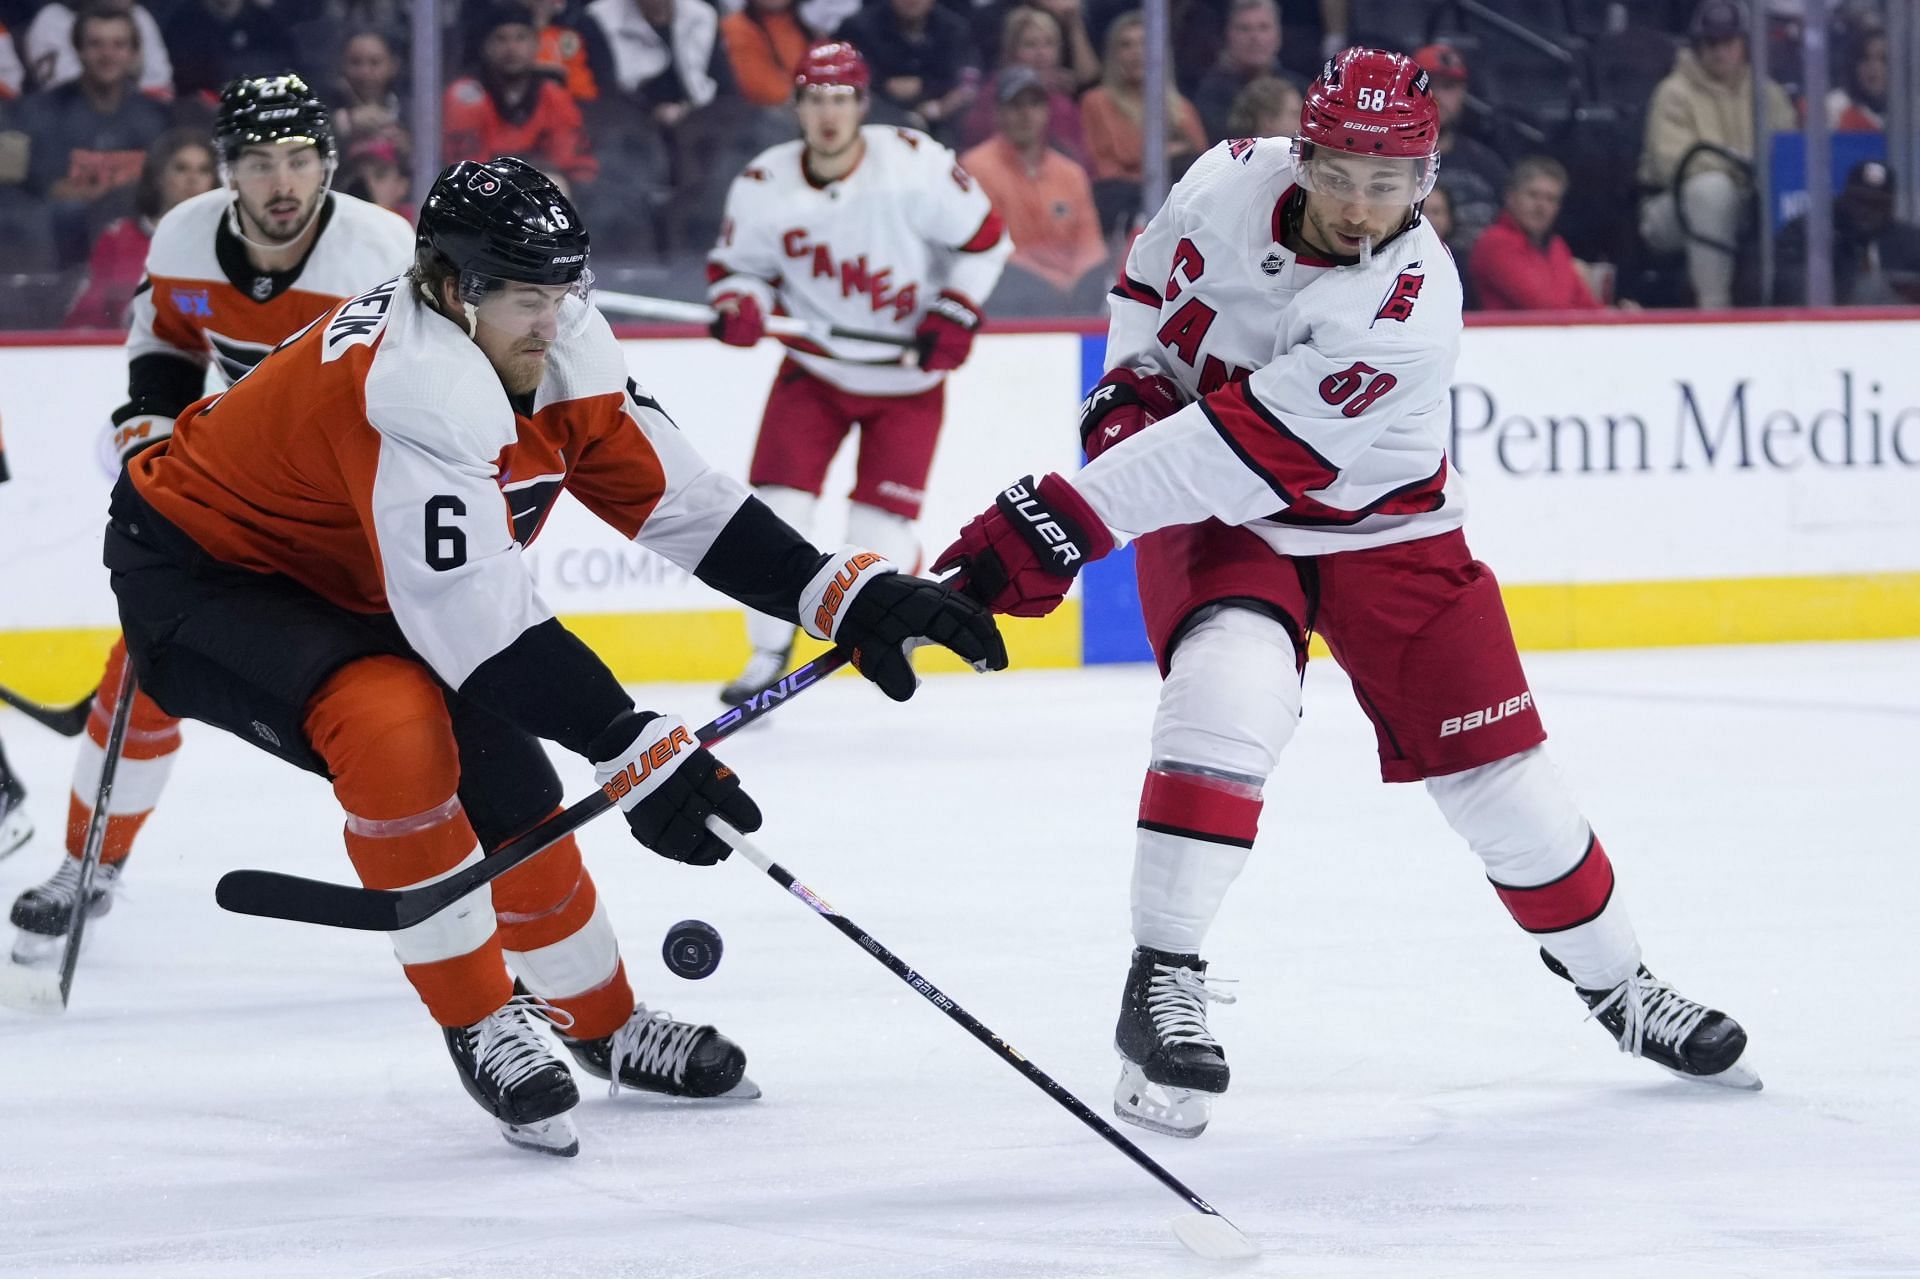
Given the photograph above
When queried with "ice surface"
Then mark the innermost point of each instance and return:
(1413, 1093)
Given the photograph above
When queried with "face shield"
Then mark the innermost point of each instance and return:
(516, 309)
(1371, 181)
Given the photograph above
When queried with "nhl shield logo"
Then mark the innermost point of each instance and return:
(1273, 263)
(483, 183)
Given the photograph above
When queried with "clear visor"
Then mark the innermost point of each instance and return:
(517, 309)
(1372, 180)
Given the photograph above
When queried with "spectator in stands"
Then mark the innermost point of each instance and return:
(89, 137)
(1077, 55)
(1030, 39)
(1471, 171)
(1113, 113)
(574, 50)
(510, 108)
(666, 54)
(1251, 51)
(213, 41)
(1059, 260)
(764, 42)
(925, 70)
(1706, 100)
(51, 55)
(1518, 263)
(376, 171)
(1268, 107)
(367, 90)
(1876, 259)
(1860, 105)
(1437, 209)
(13, 76)
(179, 165)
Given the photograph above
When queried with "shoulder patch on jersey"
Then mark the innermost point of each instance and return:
(754, 173)
(909, 137)
(358, 321)
(191, 302)
(1401, 297)
(1241, 149)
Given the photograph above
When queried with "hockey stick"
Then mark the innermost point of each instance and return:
(1206, 1232)
(273, 895)
(643, 307)
(41, 990)
(68, 721)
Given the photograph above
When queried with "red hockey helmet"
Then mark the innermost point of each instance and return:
(834, 65)
(1372, 103)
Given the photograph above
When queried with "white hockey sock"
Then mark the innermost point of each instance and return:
(1229, 704)
(892, 535)
(1544, 862)
(771, 634)
(574, 965)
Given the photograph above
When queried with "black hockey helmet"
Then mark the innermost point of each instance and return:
(503, 219)
(262, 110)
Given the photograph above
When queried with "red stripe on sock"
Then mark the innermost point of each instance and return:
(1575, 898)
(1209, 808)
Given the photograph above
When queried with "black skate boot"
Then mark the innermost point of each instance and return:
(655, 1053)
(508, 1065)
(1172, 1067)
(1650, 1019)
(15, 829)
(764, 670)
(42, 913)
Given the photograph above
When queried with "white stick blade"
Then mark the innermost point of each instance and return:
(31, 989)
(1212, 1236)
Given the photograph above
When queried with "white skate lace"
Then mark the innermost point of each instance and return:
(1177, 1000)
(509, 1046)
(64, 887)
(654, 1043)
(1651, 1009)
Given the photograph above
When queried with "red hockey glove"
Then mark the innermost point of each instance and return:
(945, 335)
(1123, 403)
(740, 322)
(1022, 553)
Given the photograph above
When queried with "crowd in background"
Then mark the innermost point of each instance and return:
(1641, 193)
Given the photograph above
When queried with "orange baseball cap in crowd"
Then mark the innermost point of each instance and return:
(1442, 62)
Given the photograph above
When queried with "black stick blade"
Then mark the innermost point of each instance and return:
(68, 721)
(272, 895)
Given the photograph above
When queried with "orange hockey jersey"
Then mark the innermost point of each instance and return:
(377, 460)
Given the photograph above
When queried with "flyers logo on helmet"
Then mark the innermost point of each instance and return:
(484, 183)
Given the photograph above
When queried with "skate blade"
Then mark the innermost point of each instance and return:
(31, 988)
(555, 1136)
(15, 831)
(1209, 1235)
(745, 1090)
(1739, 1076)
(37, 950)
(1173, 1112)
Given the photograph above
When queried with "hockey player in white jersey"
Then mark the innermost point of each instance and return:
(868, 227)
(230, 275)
(1282, 341)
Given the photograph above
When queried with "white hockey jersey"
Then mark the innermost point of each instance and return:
(869, 251)
(377, 461)
(203, 301)
(1321, 390)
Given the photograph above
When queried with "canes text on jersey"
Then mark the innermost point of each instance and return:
(854, 274)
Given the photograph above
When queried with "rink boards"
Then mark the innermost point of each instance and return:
(1632, 484)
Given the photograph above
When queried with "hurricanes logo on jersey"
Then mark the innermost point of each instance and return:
(1401, 297)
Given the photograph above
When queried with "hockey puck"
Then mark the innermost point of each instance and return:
(692, 949)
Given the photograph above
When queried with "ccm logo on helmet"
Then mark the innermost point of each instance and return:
(1021, 500)
(1485, 716)
(658, 756)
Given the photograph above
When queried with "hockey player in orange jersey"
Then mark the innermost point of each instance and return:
(326, 561)
(230, 275)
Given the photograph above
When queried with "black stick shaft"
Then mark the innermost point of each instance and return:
(64, 720)
(274, 895)
(965, 1020)
(96, 840)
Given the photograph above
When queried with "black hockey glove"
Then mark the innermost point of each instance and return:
(861, 602)
(668, 784)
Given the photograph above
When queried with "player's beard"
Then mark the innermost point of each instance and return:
(279, 224)
(523, 370)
